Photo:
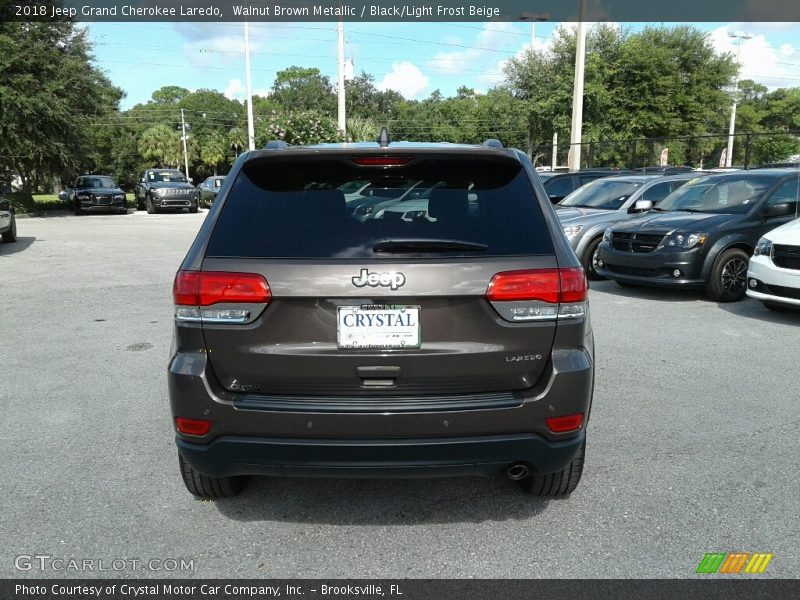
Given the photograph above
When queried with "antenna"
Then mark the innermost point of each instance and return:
(383, 138)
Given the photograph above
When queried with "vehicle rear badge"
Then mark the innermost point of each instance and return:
(391, 280)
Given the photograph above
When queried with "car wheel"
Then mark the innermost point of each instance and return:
(728, 280)
(589, 260)
(558, 484)
(208, 487)
(77, 208)
(193, 208)
(150, 208)
(11, 235)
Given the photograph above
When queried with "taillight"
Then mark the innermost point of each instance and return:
(381, 161)
(565, 423)
(539, 294)
(192, 426)
(193, 291)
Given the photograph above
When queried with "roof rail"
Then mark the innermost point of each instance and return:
(276, 145)
(383, 138)
(492, 143)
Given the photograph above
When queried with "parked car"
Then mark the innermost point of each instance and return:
(207, 191)
(161, 189)
(93, 193)
(773, 275)
(587, 212)
(8, 221)
(701, 235)
(560, 184)
(309, 342)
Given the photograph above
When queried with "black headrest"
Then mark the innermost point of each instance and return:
(448, 204)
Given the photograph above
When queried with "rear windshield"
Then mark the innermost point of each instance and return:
(306, 209)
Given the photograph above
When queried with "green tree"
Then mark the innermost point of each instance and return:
(300, 128)
(161, 146)
(50, 94)
(214, 151)
(302, 89)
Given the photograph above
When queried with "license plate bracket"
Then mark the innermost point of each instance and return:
(378, 327)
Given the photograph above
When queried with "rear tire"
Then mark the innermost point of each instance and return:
(208, 487)
(10, 236)
(589, 259)
(559, 484)
(728, 279)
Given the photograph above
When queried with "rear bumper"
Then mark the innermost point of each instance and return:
(483, 456)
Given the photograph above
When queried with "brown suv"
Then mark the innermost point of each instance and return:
(450, 336)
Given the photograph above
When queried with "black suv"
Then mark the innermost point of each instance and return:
(560, 184)
(309, 342)
(161, 189)
(703, 234)
(94, 192)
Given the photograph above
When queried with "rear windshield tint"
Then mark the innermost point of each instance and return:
(331, 208)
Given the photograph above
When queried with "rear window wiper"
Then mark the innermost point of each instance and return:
(400, 246)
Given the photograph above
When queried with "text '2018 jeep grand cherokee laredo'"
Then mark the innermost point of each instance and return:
(311, 343)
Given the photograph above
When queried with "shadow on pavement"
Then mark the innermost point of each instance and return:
(648, 293)
(22, 244)
(750, 308)
(381, 502)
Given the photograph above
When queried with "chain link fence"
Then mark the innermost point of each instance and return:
(702, 152)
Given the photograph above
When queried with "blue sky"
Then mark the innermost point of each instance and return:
(413, 58)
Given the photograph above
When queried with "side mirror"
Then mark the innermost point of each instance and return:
(63, 196)
(191, 179)
(779, 210)
(643, 205)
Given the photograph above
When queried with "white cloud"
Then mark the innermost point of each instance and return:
(406, 78)
(761, 61)
(235, 90)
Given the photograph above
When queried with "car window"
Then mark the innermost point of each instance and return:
(166, 176)
(608, 194)
(95, 182)
(558, 188)
(295, 209)
(787, 193)
(718, 194)
(659, 191)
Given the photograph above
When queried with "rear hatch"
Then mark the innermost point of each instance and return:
(376, 306)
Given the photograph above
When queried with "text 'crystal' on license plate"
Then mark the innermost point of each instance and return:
(378, 327)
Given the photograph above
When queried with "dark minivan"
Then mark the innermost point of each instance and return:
(309, 342)
(703, 234)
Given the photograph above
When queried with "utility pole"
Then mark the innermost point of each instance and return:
(342, 117)
(576, 132)
(185, 153)
(732, 128)
(555, 152)
(251, 136)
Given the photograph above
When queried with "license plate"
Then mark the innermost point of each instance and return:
(378, 327)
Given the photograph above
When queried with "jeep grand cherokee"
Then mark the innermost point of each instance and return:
(308, 342)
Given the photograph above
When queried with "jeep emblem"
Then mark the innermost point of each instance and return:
(390, 280)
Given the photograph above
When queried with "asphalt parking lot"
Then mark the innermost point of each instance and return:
(693, 440)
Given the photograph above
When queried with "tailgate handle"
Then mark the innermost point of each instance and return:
(377, 376)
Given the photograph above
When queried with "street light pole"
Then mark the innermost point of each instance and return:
(576, 131)
(251, 136)
(342, 119)
(732, 128)
(185, 153)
